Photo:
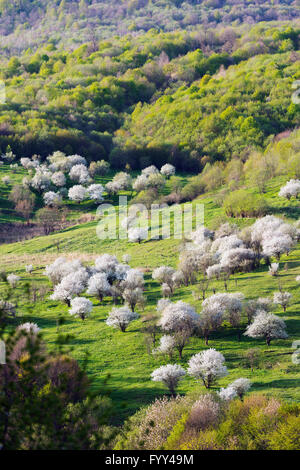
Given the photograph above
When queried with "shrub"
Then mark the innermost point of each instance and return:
(244, 204)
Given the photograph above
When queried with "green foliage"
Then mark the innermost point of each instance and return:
(241, 203)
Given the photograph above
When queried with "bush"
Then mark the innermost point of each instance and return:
(241, 203)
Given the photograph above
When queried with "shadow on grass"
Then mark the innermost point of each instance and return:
(280, 383)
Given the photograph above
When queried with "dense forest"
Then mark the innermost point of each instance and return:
(187, 98)
(26, 23)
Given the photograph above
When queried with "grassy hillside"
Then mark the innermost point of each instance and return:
(123, 356)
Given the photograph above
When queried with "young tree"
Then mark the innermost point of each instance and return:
(79, 174)
(227, 394)
(49, 218)
(121, 318)
(81, 307)
(133, 297)
(179, 316)
(162, 304)
(137, 234)
(98, 285)
(77, 193)
(277, 245)
(58, 179)
(41, 180)
(207, 366)
(150, 170)
(170, 375)
(30, 328)
(291, 189)
(274, 269)
(241, 386)
(268, 326)
(95, 192)
(13, 280)
(166, 346)
(60, 268)
(283, 299)
(141, 183)
(52, 199)
(168, 170)
(211, 319)
(164, 275)
(71, 285)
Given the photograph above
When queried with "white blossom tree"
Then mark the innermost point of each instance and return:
(60, 268)
(140, 183)
(166, 291)
(181, 319)
(29, 268)
(214, 271)
(77, 193)
(162, 304)
(58, 179)
(268, 326)
(277, 245)
(168, 170)
(283, 299)
(81, 307)
(166, 346)
(79, 173)
(52, 198)
(227, 394)
(164, 275)
(6, 180)
(73, 160)
(169, 375)
(207, 366)
(150, 170)
(178, 316)
(137, 234)
(13, 280)
(291, 189)
(237, 259)
(71, 285)
(95, 192)
(41, 180)
(99, 286)
(134, 278)
(121, 318)
(126, 258)
(133, 297)
(29, 328)
(241, 386)
(121, 182)
(211, 319)
(273, 269)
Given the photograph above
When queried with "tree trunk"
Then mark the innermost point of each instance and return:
(180, 352)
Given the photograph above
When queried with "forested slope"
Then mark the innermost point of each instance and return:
(27, 23)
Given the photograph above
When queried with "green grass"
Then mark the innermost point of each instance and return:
(123, 355)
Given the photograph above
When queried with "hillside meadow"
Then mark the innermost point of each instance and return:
(119, 362)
